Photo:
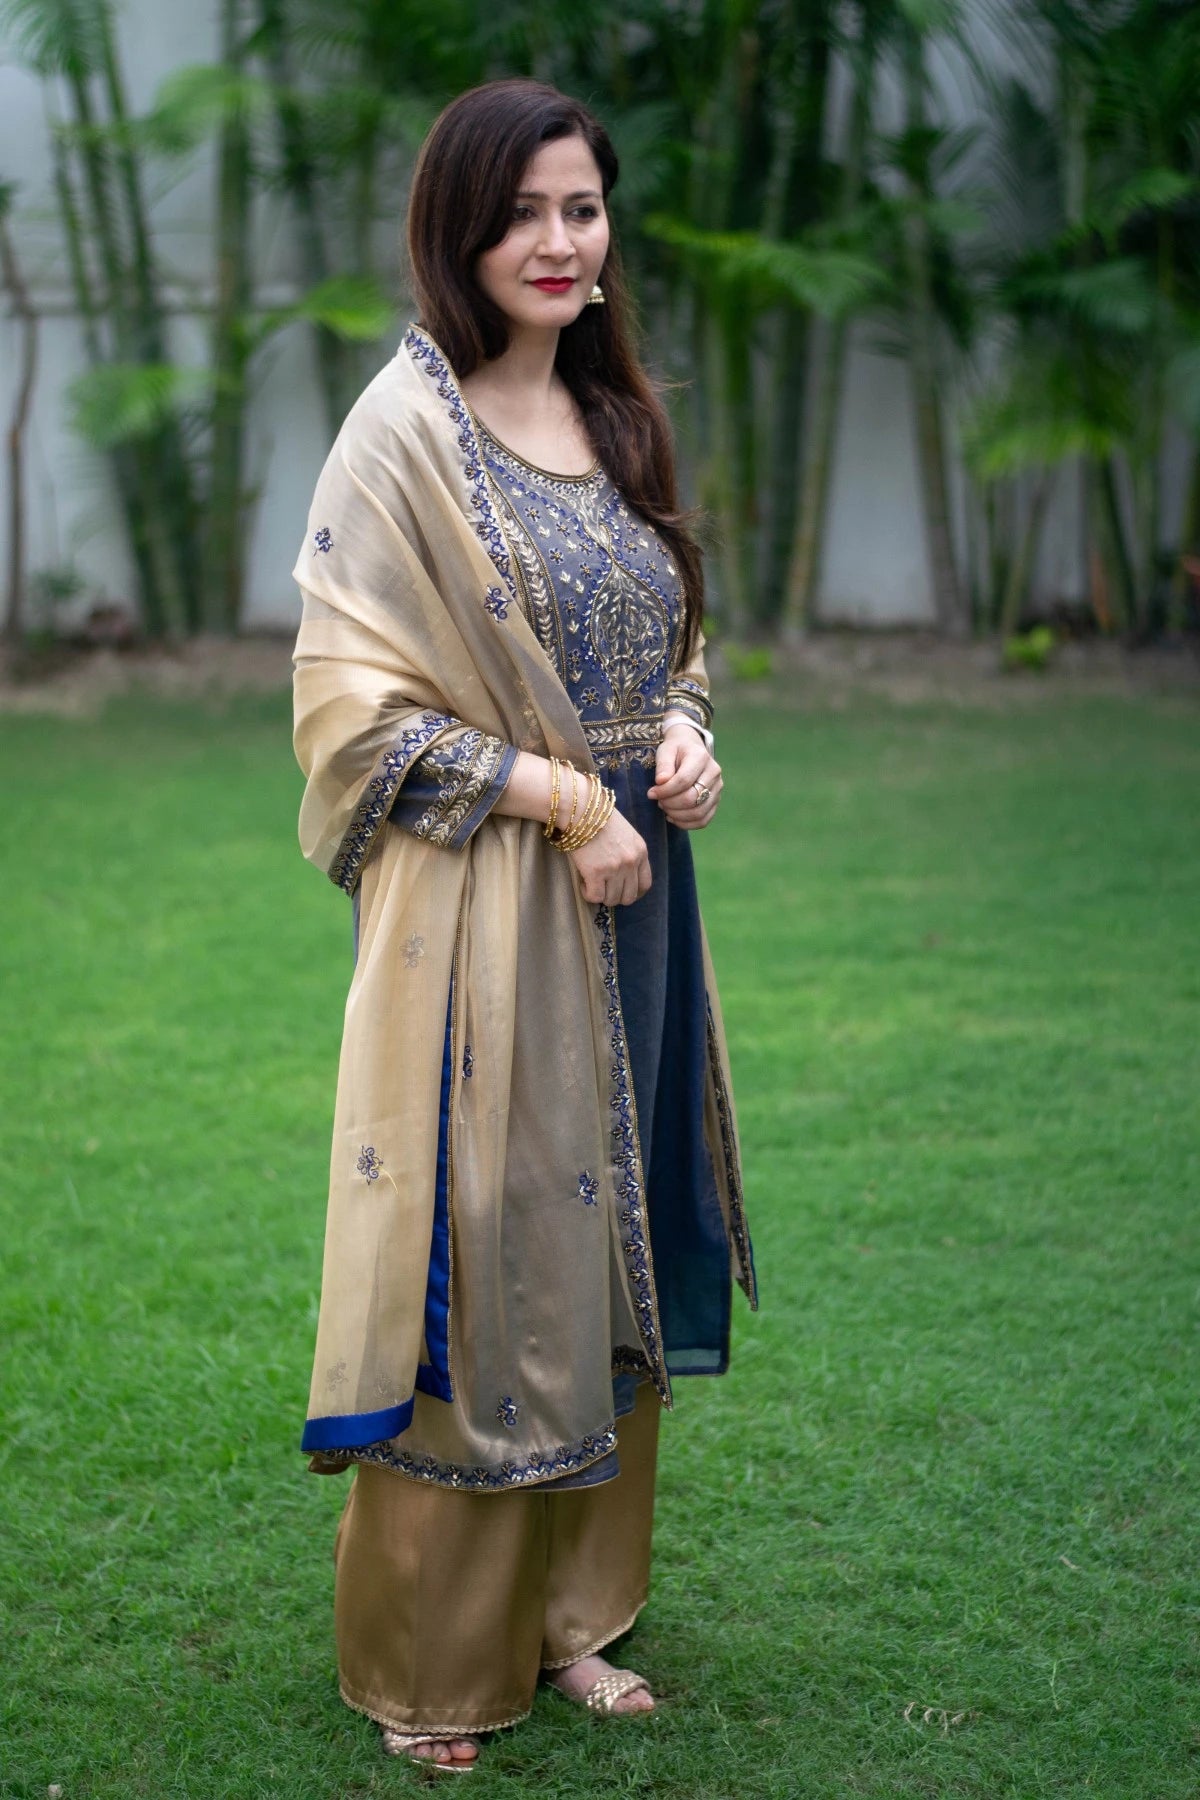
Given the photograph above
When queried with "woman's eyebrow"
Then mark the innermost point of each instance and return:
(579, 194)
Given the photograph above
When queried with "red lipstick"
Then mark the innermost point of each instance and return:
(555, 284)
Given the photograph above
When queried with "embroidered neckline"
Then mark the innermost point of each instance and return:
(486, 431)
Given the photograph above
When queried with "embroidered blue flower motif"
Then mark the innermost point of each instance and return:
(368, 1163)
(507, 1410)
(323, 539)
(414, 949)
(589, 1187)
(468, 1062)
(496, 604)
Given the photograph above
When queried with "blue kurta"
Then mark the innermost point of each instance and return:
(601, 591)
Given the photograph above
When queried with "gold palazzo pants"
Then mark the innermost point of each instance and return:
(447, 1604)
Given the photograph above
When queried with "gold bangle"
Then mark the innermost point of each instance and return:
(564, 839)
(570, 824)
(574, 825)
(580, 833)
(596, 814)
(551, 818)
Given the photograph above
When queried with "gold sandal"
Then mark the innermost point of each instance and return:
(402, 1743)
(606, 1690)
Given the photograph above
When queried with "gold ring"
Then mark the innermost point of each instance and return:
(700, 791)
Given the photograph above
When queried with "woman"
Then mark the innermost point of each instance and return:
(503, 718)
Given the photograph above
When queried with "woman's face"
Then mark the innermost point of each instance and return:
(558, 236)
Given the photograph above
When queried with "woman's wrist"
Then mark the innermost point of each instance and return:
(672, 721)
(528, 791)
(581, 825)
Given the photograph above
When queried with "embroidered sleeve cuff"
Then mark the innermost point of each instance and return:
(689, 697)
(453, 787)
(382, 786)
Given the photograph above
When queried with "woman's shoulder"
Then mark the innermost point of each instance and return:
(403, 414)
(391, 402)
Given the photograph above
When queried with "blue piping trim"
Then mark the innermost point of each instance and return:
(351, 1431)
(433, 1377)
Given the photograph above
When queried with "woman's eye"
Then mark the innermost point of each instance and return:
(522, 212)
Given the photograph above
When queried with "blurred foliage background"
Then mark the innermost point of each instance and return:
(791, 169)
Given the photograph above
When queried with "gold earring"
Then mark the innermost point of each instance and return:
(596, 297)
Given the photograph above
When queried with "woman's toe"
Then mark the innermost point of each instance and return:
(429, 1750)
(638, 1701)
(464, 1749)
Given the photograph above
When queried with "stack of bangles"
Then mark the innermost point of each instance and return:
(597, 809)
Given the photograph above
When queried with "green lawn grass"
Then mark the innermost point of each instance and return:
(954, 1465)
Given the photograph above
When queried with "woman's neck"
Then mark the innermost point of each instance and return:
(522, 375)
(526, 404)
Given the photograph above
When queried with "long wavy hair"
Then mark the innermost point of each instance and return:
(464, 189)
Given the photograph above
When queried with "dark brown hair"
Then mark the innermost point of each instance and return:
(463, 192)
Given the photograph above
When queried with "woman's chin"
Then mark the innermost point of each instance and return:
(554, 310)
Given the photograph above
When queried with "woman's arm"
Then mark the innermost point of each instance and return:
(467, 774)
(614, 868)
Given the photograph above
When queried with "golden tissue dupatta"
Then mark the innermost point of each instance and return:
(485, 1277)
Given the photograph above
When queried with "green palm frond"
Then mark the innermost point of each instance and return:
(929, 17)
(339, 120)
(1043, 414)
(117, 402)
(832, 283)
(1024, 170)
(951, 217)
(1150, 190)
(643, 138)
(195, 101)
(1116, 296)
(57, 37)
(351, 306)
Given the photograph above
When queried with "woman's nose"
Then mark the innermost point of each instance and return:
(555, 239)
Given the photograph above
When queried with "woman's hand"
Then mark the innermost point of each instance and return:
(614, 868)
(687, 782)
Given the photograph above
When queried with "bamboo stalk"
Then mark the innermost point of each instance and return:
(790, 207)
(1189, 542)
(163, 601)
(1117, 544)
(1020, 569)
(826, 377)
(223, 547)
(175, 499)
(724, 478)
(122, 459)
(22, 306)
(930, 434)
(300, 178)
(720, 492)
